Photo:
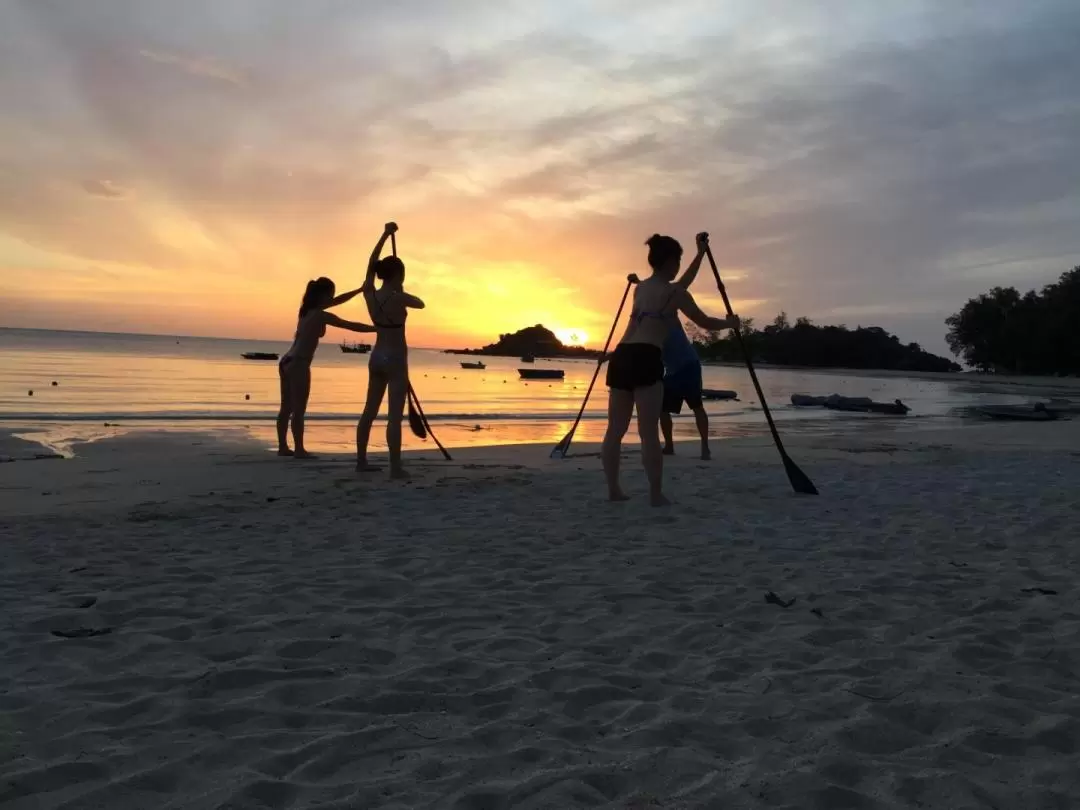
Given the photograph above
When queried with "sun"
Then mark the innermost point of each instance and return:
(572, 337)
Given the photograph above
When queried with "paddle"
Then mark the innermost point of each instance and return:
(560, 449)
(418, 423)
(799, 480)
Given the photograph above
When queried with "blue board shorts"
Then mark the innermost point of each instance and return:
(683, 385)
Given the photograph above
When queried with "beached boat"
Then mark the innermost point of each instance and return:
(259, 356)
(541, 373)
(355, 348)
(716, 393)
(835, 402)
(477, 365)
(1018, 413)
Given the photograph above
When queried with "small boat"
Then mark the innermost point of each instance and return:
(259, 356)
(716, 393)
(477, 365)
(541, 373)
(1018, 413)
(355, 348)
(528, 358)
(835, 402)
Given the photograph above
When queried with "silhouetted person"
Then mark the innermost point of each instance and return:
(636, 367)
(294, 368)
(388, 363)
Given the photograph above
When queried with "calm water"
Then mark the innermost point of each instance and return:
(133, 381)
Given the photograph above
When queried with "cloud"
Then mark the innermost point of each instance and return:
(845, 158)
(199, 66)
(104, 188)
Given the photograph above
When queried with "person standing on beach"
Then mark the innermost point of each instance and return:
(294, 368)
(388, 363)
(682, 369)
(636, 367)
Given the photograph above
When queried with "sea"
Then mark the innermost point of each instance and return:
(63, 388)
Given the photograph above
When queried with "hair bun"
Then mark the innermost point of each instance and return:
(652, 240)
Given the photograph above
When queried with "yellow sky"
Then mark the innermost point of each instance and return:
(186, 168)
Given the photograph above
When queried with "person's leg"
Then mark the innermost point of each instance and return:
(375, 390)
(649, 402)
(301, 389)
(702, 420)
(284, 412)
(398, 390)
(620, 409)
(665, 428)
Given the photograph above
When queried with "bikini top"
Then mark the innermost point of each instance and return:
(385, 325)
(639, 316)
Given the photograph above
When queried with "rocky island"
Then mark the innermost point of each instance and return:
(532, 341)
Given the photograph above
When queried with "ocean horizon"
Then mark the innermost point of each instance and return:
(110, 382)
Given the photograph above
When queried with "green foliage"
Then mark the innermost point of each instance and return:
(1034, 333)
(805, 344)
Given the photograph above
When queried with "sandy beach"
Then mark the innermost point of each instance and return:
(191, 622)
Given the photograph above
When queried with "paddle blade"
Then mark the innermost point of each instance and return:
(416, 424)
(560, 449)
(800, 482)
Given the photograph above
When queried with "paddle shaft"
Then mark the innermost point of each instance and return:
(789, 465)
(565, 444)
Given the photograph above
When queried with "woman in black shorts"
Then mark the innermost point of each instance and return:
(635, 370)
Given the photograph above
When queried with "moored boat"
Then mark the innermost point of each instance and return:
(477, 365)
(717, 393)
(355, 348)
(259, 356)
(1018, 413)
(541, 373)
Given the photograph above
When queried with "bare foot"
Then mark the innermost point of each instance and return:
(706, 454)
(669, 450)
(399, 474)
(658, 499)
(303, 454)
(367, 468)
(284, 451)
(617, 495)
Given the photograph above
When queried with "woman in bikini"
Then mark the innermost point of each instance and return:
(388, 363)
(636, 367)
(294, 368)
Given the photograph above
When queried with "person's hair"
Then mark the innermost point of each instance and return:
(314, 294)
(662, 249)
(389, 267)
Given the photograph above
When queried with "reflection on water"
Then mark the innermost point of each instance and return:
(145, 381)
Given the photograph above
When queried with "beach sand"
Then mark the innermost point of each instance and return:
(274, 633)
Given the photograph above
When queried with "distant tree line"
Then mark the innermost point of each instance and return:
(806, 344)
(1034, 333)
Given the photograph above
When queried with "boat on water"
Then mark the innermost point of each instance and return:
(260, 355)
(528, 358)
(355, 348)
(835, 402)
(716, 393)
(1018, 413)
(477, 365)
(541, 373)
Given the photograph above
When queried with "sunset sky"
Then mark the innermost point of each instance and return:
(184, 167)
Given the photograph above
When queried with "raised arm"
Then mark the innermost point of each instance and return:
(333, 320)
(349, 296)
(688, 306)
(369, 278)
(691, 271)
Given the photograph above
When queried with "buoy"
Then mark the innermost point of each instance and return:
(247, 396)
(29, 393)
(55, 383)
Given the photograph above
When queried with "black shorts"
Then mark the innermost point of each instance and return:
(635, 365)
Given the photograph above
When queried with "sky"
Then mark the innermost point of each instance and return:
(185, 168)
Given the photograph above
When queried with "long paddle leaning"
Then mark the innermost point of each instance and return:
(564, 445)
(799, 480)
(418, 423)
